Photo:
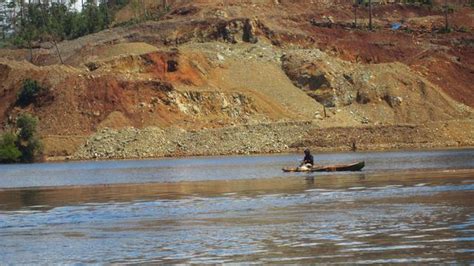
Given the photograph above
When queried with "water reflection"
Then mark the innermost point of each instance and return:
(412, 217)
(48, 197)
(218, 168)
(240, 210)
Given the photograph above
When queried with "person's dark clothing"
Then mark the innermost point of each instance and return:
(308, 158)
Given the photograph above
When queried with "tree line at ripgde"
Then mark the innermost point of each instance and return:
(25, 22)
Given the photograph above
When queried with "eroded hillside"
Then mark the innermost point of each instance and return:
(213, 77)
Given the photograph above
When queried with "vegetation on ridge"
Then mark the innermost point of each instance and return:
(45, 21)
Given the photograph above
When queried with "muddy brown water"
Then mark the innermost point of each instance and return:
(405, 207)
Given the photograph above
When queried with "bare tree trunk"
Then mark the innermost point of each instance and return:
(57, 50)
(22, 13)
(446, 27)
(107, 12)
(355, 15)
(5, 19)
(370, 14)
(14, 17)
(31, 51)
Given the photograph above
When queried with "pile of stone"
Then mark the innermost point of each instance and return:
(156, 142)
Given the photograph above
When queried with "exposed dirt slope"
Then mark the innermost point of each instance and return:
(205, 67)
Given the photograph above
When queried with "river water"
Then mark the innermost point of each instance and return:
(404, 207)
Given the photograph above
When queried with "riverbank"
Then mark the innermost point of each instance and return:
(153, 142)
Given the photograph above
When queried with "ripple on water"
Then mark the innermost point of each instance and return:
(397, 260)
(464, 250)
(456, 239)
(434, 229)
(357, 188)
(287, 260)
(386, 248)
(416, 236)
(319, 190)
(354, 243)
(390, 224)
(421, 184)
(296, 245)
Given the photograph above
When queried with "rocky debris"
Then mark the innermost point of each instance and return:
(220, 52)
(249, 32)
(393, 101)
(326, 21)
(157, 142)
(406, 136)
(269, 138)
(205, 103)
(219, 28)
(185, 11)
(337, 83)
(325, 78)
(362, 97)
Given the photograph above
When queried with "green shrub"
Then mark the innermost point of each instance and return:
(27, 125)
(30, 150)
(9, 152)
(428, 2)
(28, 143)
(22, 147)
(19, 41)
(29, 92)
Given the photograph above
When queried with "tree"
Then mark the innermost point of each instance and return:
(28, 142)
(30, 90)
(22, 147)
(356, 5)
(105, 14)
(136, 8)
(370, 14)
(11, 6)
(54, 21)
(447, 9)
(9, 152)
(3, 18)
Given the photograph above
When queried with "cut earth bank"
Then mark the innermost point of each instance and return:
(248, 78)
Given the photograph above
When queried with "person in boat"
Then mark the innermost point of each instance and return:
(308, 160)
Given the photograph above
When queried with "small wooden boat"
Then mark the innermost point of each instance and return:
(328, 168)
